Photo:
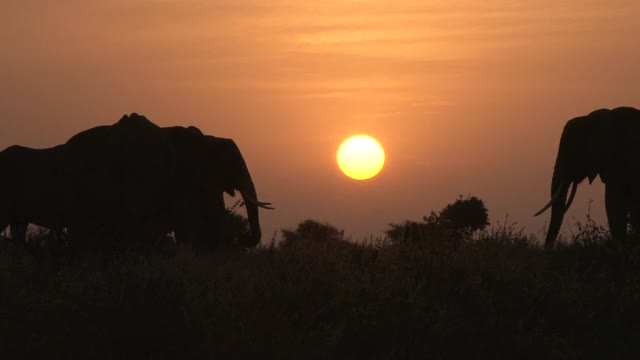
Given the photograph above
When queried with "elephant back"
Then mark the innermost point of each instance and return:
(135, 122)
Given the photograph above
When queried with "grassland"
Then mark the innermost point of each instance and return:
(498, 295)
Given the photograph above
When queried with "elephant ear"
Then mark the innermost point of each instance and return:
(601, 144)
(227, 164)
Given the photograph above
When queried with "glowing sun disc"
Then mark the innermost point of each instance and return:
(360, 157)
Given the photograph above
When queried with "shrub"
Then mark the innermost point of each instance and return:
(454, 223)
(465, 215)
(311, 230)
(500, 296)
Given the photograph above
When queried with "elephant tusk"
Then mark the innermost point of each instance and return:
(264, 205)
(574, 188)
(553, 200)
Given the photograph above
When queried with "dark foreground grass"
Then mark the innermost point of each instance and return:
(497, 297)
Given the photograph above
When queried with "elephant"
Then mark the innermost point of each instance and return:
(129, 180)
(605, 143)
(207, 167)
(32, 190)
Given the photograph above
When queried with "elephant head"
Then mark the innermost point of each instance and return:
(587, 149)
(207, 167)
(229, 168)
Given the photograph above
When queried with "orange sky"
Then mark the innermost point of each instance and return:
(467, 97)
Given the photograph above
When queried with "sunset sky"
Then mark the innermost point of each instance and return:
(467, 97)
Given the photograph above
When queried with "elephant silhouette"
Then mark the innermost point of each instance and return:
(605, 143)
(128, 180)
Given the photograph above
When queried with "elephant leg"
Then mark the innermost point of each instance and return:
(615, 204)
(212, 223)
(634, 213)
(634, 220)
(19, 233)
(4, 222)
(202, 225)
(83, 238)
(183, 230)
(203, 234)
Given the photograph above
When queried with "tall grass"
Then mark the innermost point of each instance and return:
(496, 296)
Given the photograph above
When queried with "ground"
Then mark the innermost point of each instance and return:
(498, 295)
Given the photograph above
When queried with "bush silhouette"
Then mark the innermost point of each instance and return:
(499, 296)
(455, 222)
(234, 226)
(311, 230)
(465, 215)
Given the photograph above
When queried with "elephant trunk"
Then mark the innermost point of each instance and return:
(249, 196)
(559, 206)
(569, 170)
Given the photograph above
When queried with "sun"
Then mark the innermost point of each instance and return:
(360, 157)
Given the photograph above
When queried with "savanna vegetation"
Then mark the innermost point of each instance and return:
(447, 286)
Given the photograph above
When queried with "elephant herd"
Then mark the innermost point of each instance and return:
(605, 143)
(136, 179)
(132, 179)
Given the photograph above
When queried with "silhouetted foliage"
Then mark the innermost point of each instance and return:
(311, 230)
(454, 223)
(321, 297)
(590, 232)
(466, 215)
(234, 225)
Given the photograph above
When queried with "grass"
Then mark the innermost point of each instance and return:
(497, 296)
